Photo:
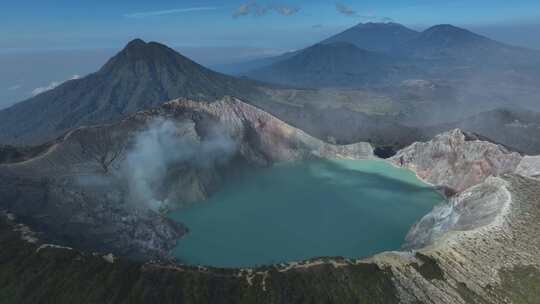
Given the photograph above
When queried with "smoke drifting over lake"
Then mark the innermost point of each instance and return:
(162, 146)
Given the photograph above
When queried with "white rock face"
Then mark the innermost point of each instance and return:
(489, 226)
(529, 166)
(457, 160)
(495, 229)
(476, 207)
(277, 140)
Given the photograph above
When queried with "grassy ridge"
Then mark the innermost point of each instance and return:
(66, 276)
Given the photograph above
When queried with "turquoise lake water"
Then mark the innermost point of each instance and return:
(296, 211)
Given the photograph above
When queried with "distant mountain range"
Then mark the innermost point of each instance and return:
(381, 83)
(240, 68)
(438, 52)
(145, 75)
(338, 64)
(376, 37)
(450, 43)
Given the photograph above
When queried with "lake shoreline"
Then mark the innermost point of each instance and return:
(341, 183)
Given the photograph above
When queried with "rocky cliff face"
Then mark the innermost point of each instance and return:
(102, 187)
(480, 206)
(457, 160)
(529, 166)
(479, 247)
(482, 251)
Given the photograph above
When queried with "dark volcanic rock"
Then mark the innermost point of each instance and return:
(12, 154)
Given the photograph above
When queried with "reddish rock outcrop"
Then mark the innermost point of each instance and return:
(457, 160)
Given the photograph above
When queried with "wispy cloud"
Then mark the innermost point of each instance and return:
(170, 12)
(15, 87)
(256, 9)
(286, 10)
(386, 19)
(349, 12)
(51, 86)
(244, 10)
(344, 9)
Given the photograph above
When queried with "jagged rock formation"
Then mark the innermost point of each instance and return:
(80, 190)
(457, 160)
(277, 140)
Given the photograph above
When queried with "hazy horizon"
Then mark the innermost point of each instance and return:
(34, 71)
(248, 29)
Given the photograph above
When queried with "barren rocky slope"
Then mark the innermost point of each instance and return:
(457, 160)
(83, 190)
(480, 248)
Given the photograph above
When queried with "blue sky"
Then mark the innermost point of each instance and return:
(45, 42)
(283, 25)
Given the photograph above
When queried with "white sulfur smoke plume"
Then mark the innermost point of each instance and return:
(162, 146)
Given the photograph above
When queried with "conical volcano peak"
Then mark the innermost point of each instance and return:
(446, 28)
(450, 32)
(375, 36)
(153, 55)
(138, 49)
(142, 75)
(374, 25)
(135, 43)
